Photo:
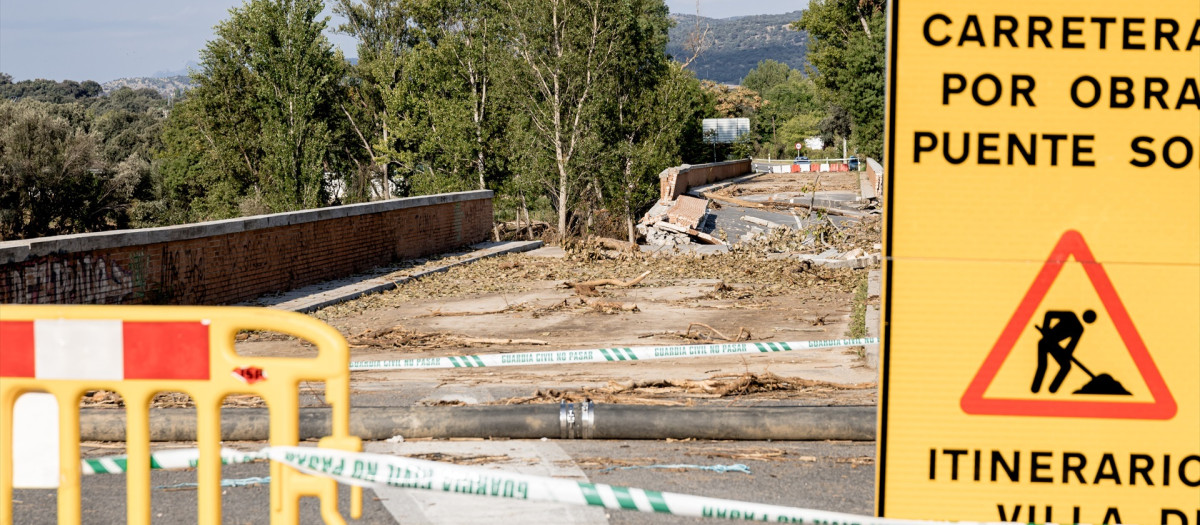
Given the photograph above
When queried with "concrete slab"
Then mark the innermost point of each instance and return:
(329, 293)
(687, 211)
(537, 458)
(699, 190)
(729, 219)
(548, 251)
(873, 326)
(823, 198)
(866, 189)
(874, 284)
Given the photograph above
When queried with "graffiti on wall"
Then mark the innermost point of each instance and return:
(183, 276)
(71, 280)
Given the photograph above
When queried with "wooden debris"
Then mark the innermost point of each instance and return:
(588, 288)
(461, 460)
(614, 244)
(685, 392)
(495, 341)
(398, 337)
(530, 226)
(439, 313)
(656, 334)
(763, 454)
(762, 222)
(827, 209)
(786, 329)
(741, 331)
(783, 204)
(732, 200)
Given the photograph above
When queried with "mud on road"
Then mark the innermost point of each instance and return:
(524, 302)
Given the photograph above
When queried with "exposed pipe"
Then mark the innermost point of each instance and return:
(563, 421)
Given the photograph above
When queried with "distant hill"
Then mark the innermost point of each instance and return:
(191, 64)
(735, 45)
(166, 86)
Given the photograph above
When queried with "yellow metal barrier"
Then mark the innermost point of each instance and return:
(139, 351)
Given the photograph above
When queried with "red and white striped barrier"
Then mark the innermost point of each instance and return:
(106, 350)
(89, 350)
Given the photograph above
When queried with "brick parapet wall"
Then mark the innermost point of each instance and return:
(875, 174)
(234, 260)
(675, 181)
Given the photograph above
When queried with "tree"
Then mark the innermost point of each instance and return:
(790, 110)
(847, 43)
(653, 101)
(766, 75)
(297, 92)
(384, 36)
(733, 101)
(52, 178)
(458, 61)
(203, 176)
(267, 108)
(563, 50)
(49, 90)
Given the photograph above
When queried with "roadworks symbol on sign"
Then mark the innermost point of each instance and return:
(1060, 334)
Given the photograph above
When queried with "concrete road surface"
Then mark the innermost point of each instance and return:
(835, 476)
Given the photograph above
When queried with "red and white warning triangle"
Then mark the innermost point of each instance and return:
(1156, 404)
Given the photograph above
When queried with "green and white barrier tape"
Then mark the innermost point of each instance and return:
(602, 355)
(166, 459)
(378, 470)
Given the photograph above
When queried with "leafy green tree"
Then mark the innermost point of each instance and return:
(801, 126)
(766, 75)
(653, 103)
(567, 103)
(123, 134)
(733, 101)
(563, 49)
(52, 177)
(846, 50)
(789, 112)
(204, 177)
(143, 100)
(297, 89)
(267, 107)
(49, 90)
(460, 58)
(384, 37)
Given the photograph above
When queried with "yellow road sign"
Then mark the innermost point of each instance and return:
(1041, 352)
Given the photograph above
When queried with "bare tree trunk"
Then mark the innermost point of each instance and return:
(563, 73)
(479, 164)
(528, 223)
(629, 198)
(562, 200)
(862, 18)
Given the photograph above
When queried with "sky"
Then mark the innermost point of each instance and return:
(109, 39)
